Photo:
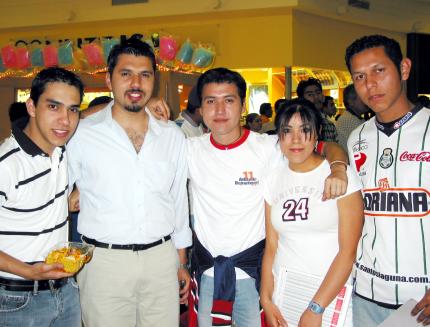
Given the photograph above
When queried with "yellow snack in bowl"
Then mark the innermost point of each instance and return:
(71, 258)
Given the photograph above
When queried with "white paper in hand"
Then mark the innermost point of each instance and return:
(402, 317)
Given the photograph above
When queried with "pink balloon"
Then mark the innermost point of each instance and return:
(22, 58)
(9, 56)
(94, 54)
(50, 55)
(168, 48)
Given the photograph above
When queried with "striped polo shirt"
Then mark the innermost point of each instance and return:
(393, 162)
(33, 198)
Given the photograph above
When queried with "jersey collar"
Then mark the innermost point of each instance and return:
(233, 145)
(391, 127)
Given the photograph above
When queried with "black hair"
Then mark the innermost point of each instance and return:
(327, 98)
(17, 110)
(278, 104)
(222, 75)
(52, 75)
(391, 48)
(193, 101)
(348, 94)
(103, 99)
(306, 83)
(266, 109)
(132, 46)
(309, 114)
(251, 117)
(424, 101)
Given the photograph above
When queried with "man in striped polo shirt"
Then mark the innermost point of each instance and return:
(391, 153)
(33, 206)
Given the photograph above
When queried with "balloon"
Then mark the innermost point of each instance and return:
(80, 60)
(36, 57)
(65, 54)
(108, 44)
(168, 48)
(94, 54)
(22, 58)
(2, 67)
(50, 55)
(185, 53)
(9, 56)
(202, 57)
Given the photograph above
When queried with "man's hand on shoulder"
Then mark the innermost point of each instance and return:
(337, 182)
(159, 108)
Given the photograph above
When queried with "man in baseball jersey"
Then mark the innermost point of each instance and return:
(225, 170)
(391, 155)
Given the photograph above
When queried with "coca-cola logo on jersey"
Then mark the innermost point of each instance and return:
(423, 156)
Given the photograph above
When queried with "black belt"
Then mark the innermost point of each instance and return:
(31, 285)
(133, 247)
(381, 304)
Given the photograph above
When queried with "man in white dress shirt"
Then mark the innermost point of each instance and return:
(131, 172)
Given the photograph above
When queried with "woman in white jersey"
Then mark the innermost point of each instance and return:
(310, 243)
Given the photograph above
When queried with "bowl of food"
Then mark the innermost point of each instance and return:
(72, 255)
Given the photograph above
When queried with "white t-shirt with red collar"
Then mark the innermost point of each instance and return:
(227, 191)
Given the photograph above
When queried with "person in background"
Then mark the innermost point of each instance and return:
(266, 113)
(131, 172)
(304, 235)
(311, 90)
(253, 122)
(329, 107)
(33, 206)
(17, 110)
(355, 111)
(424, 100)
(190, 120)
(390, 154)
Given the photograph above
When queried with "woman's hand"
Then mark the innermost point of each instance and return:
(273, 315)
(310, 319)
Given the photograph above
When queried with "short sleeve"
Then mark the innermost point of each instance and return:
(267, 183)
(5, 184)
(354, 183)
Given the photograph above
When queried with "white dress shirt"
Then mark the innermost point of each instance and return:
(128, 197)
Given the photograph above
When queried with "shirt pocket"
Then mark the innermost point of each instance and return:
(159, 175)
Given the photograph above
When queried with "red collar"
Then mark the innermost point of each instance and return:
(233, 145)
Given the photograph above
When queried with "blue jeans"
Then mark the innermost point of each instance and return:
(246, 307)
(60, 308)
(368, 314)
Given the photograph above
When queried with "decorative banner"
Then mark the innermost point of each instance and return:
(89, 55)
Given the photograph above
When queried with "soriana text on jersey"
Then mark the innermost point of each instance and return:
(397, 202)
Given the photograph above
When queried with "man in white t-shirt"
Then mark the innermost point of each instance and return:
(391, 156)
(225, 170)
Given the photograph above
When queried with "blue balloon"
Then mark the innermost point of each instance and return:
(36, 58)
(108, 44)
(65, 54)
(202, 57)
(185, 53)
(2, 67)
